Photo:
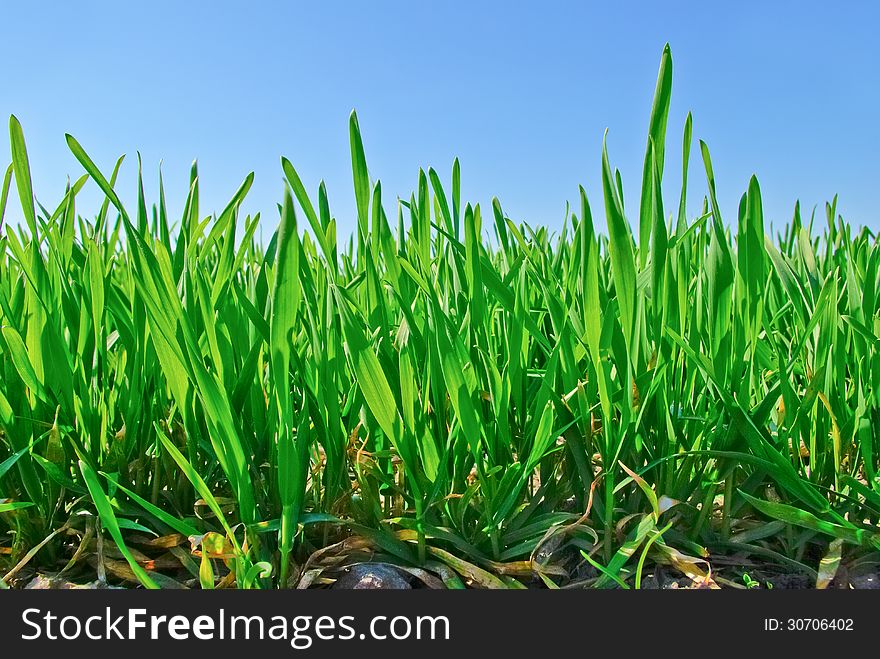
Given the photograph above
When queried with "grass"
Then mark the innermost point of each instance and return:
(480, 402)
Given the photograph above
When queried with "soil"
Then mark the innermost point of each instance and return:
(380, 576)
(356, 564)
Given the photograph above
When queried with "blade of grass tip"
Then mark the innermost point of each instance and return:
(440, 194)
(142, 220)
(656, 143)
(721, 273)
(237, 199)
(361, 179)
(4, 194)
(105, 205)
(21, 167)
(752, 255)
(306, 204)
(93, 171)
(456, 194)
(501, 226)
(589, 276)
(620, 245)
(660, 108)
(685, 161)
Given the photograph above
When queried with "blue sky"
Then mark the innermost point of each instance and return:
(521, 92)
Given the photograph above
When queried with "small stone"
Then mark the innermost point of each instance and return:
(372, 576)
(866, 581)
(652, 582)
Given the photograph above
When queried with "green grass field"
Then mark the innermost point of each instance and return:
(487, 404)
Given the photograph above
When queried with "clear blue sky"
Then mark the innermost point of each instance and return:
(521, 92)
